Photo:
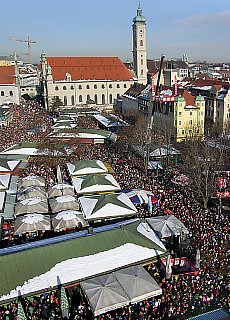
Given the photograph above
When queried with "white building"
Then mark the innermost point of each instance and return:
(79, 80)
(140, 47)
(9, 88)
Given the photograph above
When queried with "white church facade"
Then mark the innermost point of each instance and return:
(99, 80)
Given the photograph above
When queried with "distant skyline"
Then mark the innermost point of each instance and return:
(198, 28)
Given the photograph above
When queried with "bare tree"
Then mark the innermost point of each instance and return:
(55, 105)
(201, 159)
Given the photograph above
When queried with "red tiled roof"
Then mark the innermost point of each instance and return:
(7, 75)
(89, 68)
(190, 99)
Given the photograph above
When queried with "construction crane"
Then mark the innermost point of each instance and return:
(29, 42)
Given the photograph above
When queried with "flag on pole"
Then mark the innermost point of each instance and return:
(168, 269)
(175, 86)
(197, 264)
(21, 313)
(153, 87)
(59, 175)
(150, 205)
(64, 304)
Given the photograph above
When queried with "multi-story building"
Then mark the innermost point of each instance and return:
(9, 86)
(80, 80)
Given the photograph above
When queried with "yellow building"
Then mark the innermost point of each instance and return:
(189, 115)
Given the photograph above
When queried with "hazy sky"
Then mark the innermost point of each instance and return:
(199, 28)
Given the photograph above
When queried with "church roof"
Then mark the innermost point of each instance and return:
(89, 68)
(7, 75)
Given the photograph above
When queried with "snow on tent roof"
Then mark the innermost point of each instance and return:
(86, 167)
(24, 148)
(164, 151)
(34, 270)
(107, 206)
(95, 183)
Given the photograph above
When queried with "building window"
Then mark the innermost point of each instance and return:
(79, 87)
(110, 86)
(95, 86)
(125, 85)
(95, 98)
(180, 123)
(65, 101)
(103, 86)
(190, 113)
(118, 86)
(141, 43)
(180, 113)
(190, 131)
(2, 94)
(142, 72)
(72, 100)
(72, 87)
(182, 131)
(190, 122)
(56, 88)
(80, 98)
(87, 87)
(118, 96)
(87, 98)
(103, 99)
(142, 62)
(64, 87)
(11, 93)
(110, 99)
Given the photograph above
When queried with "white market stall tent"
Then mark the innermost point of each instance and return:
(95, 183)
(119, 288)
(63, 203)
(167, 226)
(84, 167)
(107, 206)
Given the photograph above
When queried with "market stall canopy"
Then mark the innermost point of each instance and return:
(61, 189)
(7, 165)
(63, 203)
(140, 196)
(164, 151)
(167, 226)
(31, 181)
(106, 206)
(31, 192)
(4, 181)
(138, 283)
(84, 167)
(95, 183)
(68, 219)
(31, 205)
(181, 179)
(31, 223)
(104, 294)
(119, 288)
(155, 165)
(109, 248)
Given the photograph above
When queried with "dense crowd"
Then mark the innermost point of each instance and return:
(183, 295)
(29, 123)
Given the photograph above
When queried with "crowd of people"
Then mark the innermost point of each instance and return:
(183, 295)
(44, 306)
(29, 122)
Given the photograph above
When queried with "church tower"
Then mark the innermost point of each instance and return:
(139, 47)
